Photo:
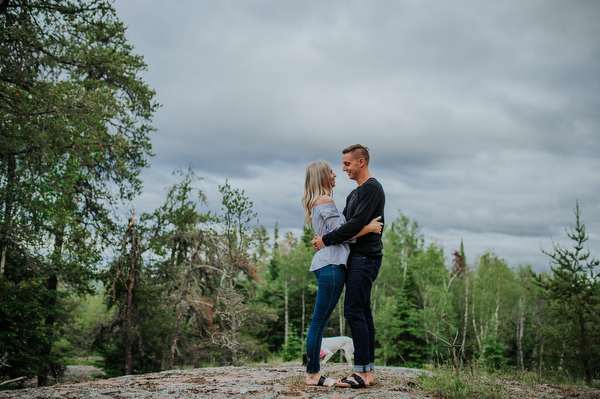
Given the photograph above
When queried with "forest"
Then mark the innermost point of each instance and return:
(181, 287)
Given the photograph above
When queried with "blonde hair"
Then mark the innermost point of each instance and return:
(317, 183)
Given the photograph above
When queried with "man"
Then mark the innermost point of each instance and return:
(364, 203)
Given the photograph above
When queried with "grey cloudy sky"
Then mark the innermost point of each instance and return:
(483, 118)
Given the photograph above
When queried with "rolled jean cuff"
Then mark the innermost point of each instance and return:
(362, 369)
(372, 365)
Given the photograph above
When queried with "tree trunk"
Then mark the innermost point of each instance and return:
(584, 351)
(562, 355)
(541, 353)
(497, 325)
(2, 259)
(52, 286)
(303, 313)
(535, 339)
(375, 296)
(183, 299)
(404, 275)
(8, 210)
(287, 315)
(464, 338)
(520, 333)
(129, 304)
(477, 335)
(385, 354)
(424, 307)
(178, 320)
(341, 308)
(234, 324)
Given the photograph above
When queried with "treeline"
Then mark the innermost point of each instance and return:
(507, 317)
(185, 288)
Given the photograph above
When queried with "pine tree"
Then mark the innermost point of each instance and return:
(74, 124)
(574, 289)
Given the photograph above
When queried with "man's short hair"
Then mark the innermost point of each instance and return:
(358, 151)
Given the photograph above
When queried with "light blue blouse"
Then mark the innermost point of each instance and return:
(326, 218)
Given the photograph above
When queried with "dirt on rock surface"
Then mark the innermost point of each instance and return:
(264, 381)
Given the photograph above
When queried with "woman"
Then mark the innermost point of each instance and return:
(328, 264)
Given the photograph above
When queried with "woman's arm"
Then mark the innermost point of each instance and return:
(374, 226)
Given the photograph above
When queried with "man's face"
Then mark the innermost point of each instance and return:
(351, 166)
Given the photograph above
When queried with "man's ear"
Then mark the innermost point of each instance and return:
(361, 162)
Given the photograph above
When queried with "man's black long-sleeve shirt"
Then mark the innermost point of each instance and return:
(364, 203)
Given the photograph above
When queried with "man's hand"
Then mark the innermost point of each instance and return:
(317, 242)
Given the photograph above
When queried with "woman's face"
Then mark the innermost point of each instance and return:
(332, 178)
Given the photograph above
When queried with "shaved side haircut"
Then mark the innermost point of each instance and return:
(358, 151)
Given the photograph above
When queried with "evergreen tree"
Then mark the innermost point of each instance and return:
(23, 332)
(133, 340)
(400, 334)
(74, 124)
(574, 292)
(180, 262)
(234, 261)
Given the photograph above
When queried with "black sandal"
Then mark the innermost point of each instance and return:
(360, 383)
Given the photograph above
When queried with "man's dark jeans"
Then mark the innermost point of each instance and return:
(361, 272)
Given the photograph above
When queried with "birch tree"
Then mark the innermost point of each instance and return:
(493, 299)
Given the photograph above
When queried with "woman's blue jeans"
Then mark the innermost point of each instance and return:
(361, 272)
(331, 279)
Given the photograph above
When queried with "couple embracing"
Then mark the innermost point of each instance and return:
(349, 252)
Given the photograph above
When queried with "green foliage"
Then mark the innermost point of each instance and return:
(235, 220)
(494, 353)
(167, 290)
(410, 293)
(153, 325)
(73, 129)
(443, 382)
(402, 240)
(290, 289)
(292, 350)
(574, 294)
(234, 261)
(23, 333)
(194, 286)
(78, 327)
(74, 124)
(399, 332)
(256, 330)
(493, 298)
